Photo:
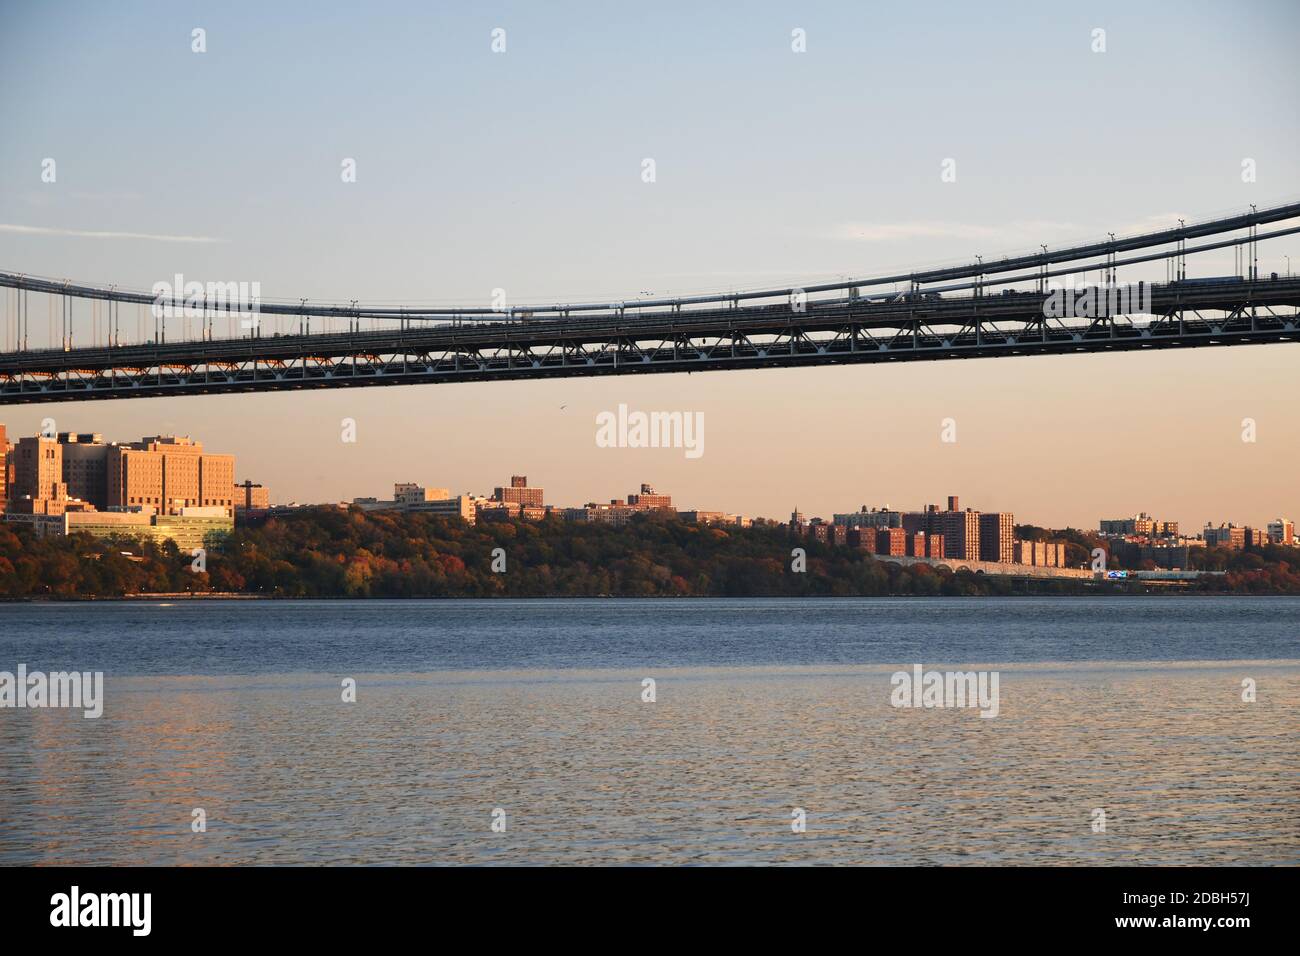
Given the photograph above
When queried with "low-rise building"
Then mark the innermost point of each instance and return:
(934, 546)
(1257, 538)
(190, 528)
(707, 517)
(1280, 530)
(1225, 535)
(891, 541)
(615, 513)
(1043, 554)
(461, 506)
(875, 518)
(650, 500)
(408, 493)
(1140, 524)
(508, 511)
(416, 499)
(864, 539)
(251, 497)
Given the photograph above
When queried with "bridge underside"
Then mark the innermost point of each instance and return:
(839, 332)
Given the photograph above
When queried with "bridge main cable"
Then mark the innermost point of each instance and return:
(979, 270)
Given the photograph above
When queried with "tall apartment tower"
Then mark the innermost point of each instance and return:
(997, 537)
(4, 469)
(961, 534)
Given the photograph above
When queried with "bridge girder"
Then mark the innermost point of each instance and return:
(845, 333)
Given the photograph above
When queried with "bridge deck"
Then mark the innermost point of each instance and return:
(838, 331)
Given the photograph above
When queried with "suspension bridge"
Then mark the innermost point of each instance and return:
(179, 342)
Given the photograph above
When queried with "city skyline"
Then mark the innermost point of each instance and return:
(532, 495)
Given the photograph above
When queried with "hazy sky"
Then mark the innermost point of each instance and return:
(522, 170)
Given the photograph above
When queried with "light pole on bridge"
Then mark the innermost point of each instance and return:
(1181, 272)
(1254, 248)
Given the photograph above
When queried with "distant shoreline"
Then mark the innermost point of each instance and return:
(235, 596)
(324, 553)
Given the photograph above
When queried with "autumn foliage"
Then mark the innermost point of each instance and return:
(333, 553)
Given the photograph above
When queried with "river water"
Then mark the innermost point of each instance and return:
(530, 715)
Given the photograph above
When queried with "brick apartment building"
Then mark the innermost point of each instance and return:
(519, 493)
(997, 536)
(961, 532)
(891, 541)
(650, 500)
(1140, 524)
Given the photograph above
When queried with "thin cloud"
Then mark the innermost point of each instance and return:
(1165, 220)
(897, 231)
(94, 234)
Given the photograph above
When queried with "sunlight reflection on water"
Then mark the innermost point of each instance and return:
(587, 773)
